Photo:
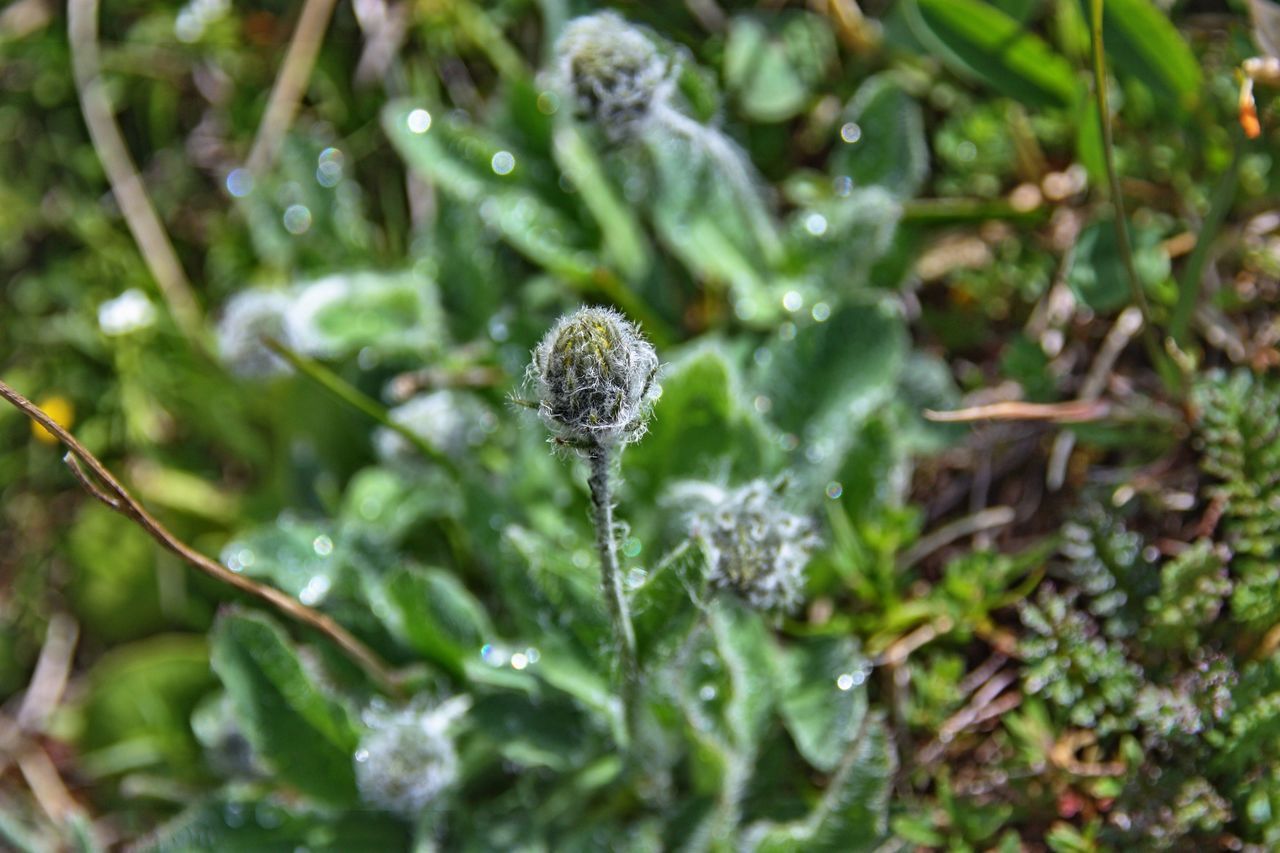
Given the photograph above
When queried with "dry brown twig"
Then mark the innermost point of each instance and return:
(114, 495)
(1070, 412)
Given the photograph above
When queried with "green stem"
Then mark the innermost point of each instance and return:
(1193, 273)
(357, 399)
(615, 598)
(1167, 373)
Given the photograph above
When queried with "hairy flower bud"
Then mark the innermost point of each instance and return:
(612, 71)
(754, 546)
(406, 758)
(594, 376)
(250, 316)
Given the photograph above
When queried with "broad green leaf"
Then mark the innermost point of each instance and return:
(771, 68)
(345, 314)
(435, 614)
(840, 239)
(888, 148)
(555, 590)
(709, 211)
(306, 737)
(1097, 275)
(977, 40)
(836, 369)
(1141, 41)
(390, 503)
(700, 427)
(231, 822)
(823, 697)
(723, 677)
(743, 645)
(624, 239)
(298, 556)
(544, 732)
(113, 590)
(488, 175)
(665, 608)
(852, 814)
(137, 703)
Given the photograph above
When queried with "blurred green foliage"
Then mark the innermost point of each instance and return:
(834, 218)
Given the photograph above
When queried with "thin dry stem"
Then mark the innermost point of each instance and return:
(126, 184)
(290, 84)
(1070, 412)
(117, 497)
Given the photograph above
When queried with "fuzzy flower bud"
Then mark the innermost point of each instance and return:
(248, 317)
(406, 758)
(754, 546)
(594, 376)
(612, 71)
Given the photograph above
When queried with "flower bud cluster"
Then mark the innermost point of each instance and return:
(612, 71)
(594, 377)
(407, 759)
(755, 547)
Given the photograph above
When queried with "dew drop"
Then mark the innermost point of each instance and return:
(707, 692)
(239, 182)
(503, 163)
(835, 489)
(297, 219)
(419, 121)
(850, 132)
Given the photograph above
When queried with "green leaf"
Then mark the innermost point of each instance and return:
(827, 380)
(306, 737)
(460, 159)
(770, 69)
(137, 704)
(841, 238)
(434, 613)
(298, 556)
(743, 644)
(345, 314)
(1097, 275)
(1141, 40)
(708, 210)
(388, 503)
(852, 814)
(977, 40)
(824, 699)
(624, 238)
(230, 822)
(543, 732)
(700, 427)
(665, 608)
(890, 150)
